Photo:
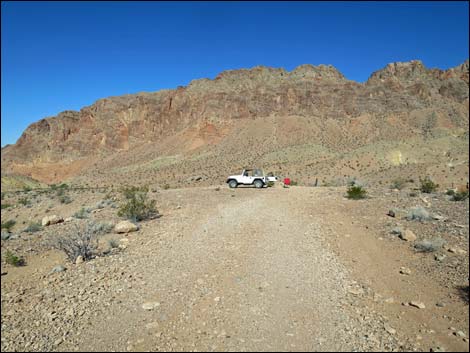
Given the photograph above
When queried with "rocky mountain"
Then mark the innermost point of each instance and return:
(309, 123)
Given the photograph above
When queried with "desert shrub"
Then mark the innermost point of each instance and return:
(104, 203)
(450, 192)
(24, 201)
(27, 188)
(427, 185)
(60, 192)
(8, 225)
(294, 183)
(13, 260)
(270, 183)
(412, 194)
(65, 199)
(5, 205)
(3, 195)
(81, 241)
(166, 187)
(399, 184)
(102, 227)
(113, 243)
(418, 214)
(82, 213)
(356, 192)
(460, 196)
(137, 206)
(429, 245)
(33, 227)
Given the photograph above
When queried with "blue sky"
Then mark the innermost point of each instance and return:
(65, 55)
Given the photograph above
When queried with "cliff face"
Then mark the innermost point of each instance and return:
(206, 112)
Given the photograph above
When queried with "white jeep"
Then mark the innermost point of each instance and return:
(254, 177)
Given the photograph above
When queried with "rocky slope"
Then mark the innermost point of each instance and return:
(311, 121)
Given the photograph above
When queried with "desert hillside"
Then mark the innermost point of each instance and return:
(310, 123)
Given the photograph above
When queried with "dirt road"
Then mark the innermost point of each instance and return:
(241, 270)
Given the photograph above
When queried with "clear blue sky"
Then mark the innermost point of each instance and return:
(65, 55)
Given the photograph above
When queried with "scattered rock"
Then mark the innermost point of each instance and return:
(405, 271)
(150, 305)
(460, 334)
(440, 304)
(439, 257)
(125, 227)
(58, 268)
(391, 213)
(397, 231)
(5, 235)
(418, 305)
(49, 220)
(408, 235)
(389, 329)
(68, 219)
(79, 260)
(438, 217)
(356, 291)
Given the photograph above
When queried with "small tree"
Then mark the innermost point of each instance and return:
(137, 206)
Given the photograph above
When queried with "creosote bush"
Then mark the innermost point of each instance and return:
(428, 186)
(460, 196)
(8, 225)
(137, 206)
(82, 241)
(83, 213)
(356, 192)
(13, 260)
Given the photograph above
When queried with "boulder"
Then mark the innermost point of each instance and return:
(125, 227)
(49, 220)
(408, 235)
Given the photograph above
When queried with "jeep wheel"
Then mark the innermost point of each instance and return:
(232, 184)
(258, 184)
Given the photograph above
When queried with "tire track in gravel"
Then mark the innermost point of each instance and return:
(250, 275)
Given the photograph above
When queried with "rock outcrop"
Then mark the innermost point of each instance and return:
(402, 99)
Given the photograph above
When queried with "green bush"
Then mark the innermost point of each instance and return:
(65, 199)
(356, 192)
(270, 183)
(83, 213)
(427, 185)
(460, 196)
(13, 260)
(450, 192)
(24, 201)
(5, 205)
(27, 188)
(294, 183)
(166, 186)
(8, 224)
(137, 207)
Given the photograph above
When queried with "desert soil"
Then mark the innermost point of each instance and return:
(297, 269)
